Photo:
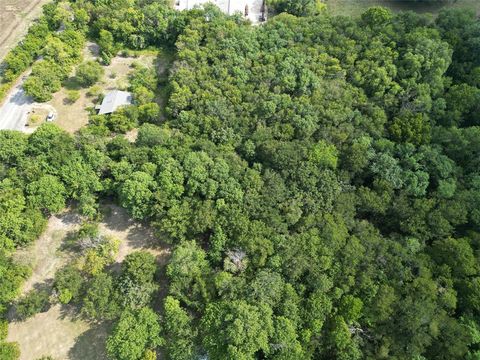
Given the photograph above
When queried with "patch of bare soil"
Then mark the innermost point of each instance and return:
(58, 332)
(15, 18)
(55, 333)
(133, 235)
(45, 256)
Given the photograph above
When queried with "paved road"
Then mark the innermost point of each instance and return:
(14, 111)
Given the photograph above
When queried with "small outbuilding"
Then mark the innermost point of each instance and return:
(113, 100)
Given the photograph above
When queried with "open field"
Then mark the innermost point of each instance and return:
(15, 18)
(356, 7)
(59, 332)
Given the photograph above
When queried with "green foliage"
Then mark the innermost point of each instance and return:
(45, 79)
(236, 330)
(47, 193)
(100, 300)
(187, 271)
(88, 73)
(298, 8)
(73, 96)
(68, 283)
(136, 284)
(9, 351)
(135, 333)
(178, 327)
(11, 277)
(3, 329)
(32, 303)
(316, 177)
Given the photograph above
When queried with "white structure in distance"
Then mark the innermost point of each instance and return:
(253, 10)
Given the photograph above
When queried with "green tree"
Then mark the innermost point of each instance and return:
(135, 333)
(179, 331)
(236, 330)
(100, 299)
(188, 270)
(88, 73)
(47, 193)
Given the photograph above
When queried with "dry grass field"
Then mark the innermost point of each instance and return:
(356, 7)
(59, 332)
(15, 17)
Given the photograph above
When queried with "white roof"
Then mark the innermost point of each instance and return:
(113, 100)
(229, 7)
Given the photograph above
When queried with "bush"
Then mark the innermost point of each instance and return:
(68, 283)
(89, 73)
(94, 91)
(3, 329)
(73, 96)
(45, 79)
(32, 303)
(9, 351)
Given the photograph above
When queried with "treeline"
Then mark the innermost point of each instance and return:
(53, 44)
(317, 178)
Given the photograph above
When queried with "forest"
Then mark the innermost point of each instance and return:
(317, 178)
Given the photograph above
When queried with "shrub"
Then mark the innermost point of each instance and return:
(88, 73)
(73, 96)
(3, 329)
(9, 351)
(94, 91)
(68, 283)
(34, 119)
(32, 303)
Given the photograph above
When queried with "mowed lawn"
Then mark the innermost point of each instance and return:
(356, 7)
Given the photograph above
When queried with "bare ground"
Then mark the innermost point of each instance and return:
(58, 332)
(45, 256)
(15, 18)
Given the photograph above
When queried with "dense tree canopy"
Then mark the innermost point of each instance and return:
(317, 178)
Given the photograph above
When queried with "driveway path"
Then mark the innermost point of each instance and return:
(14, 111)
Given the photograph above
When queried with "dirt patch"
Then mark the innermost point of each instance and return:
(133, 235)
(45, 256)
(58, 332)
(116, 74)
(15, 18)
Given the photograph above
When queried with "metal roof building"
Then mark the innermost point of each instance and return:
(113, 100)
(253, 10)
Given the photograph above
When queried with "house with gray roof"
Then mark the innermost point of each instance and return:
(113, 100)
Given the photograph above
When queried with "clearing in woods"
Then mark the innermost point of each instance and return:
(59, 332)
(15, 18)
(357, 7)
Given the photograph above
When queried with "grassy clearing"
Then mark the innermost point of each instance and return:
(356, 7)
(59, 332)
(73, 116)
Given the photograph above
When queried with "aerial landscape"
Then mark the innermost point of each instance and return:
(239, 179)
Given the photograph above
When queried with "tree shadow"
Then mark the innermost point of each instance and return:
(72, 84)
(90, 345)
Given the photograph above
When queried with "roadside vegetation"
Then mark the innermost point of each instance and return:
(316, 178)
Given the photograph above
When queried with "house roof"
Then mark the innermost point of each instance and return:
(113, 100)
